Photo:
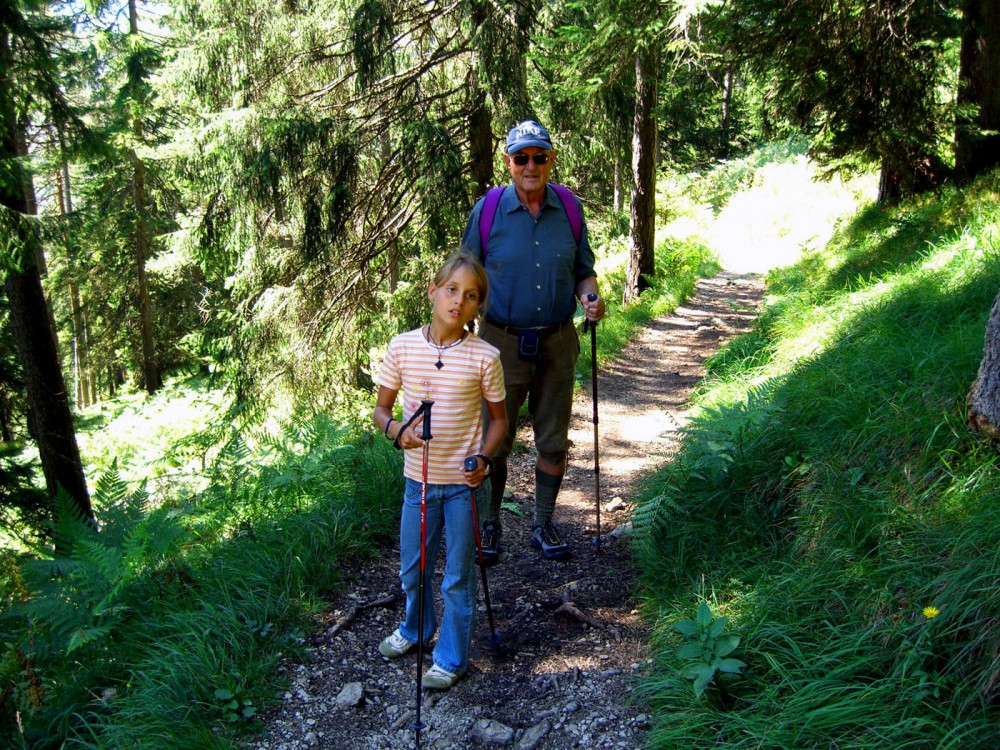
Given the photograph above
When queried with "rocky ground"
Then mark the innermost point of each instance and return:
(572, 646)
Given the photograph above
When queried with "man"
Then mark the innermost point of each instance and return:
(538, 271)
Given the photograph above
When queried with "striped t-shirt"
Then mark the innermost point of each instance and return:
(471, 372)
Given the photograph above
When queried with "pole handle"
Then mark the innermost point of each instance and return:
(586, 323)
(426, 424)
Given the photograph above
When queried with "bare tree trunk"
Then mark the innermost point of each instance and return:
(81, 357)
(152, 379)
(889, 184)
(481, 143)
(725, 120)
(977, 140)
(643, 207)
(618, 199)
(49, 415)
(984, 395)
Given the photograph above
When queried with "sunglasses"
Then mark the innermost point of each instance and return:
(522, 159)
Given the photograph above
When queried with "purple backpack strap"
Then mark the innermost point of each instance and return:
(492, 200)
(572, 210)
(486, 216)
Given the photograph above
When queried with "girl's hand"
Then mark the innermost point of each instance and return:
(475, 470)
(410, 437)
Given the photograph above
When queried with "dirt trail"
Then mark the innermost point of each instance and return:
(572, 643)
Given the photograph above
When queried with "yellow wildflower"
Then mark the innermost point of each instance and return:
(931, 612)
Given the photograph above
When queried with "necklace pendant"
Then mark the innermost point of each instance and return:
(439, 364)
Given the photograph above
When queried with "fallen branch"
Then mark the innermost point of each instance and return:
(568, 608)
(354, 611)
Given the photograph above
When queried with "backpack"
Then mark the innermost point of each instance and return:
(492, 200)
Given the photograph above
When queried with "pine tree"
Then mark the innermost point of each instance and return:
(864, 78)
(28, 74)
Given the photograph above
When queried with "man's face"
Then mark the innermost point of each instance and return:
(530, 178)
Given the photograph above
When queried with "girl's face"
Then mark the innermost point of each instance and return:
(457, 300)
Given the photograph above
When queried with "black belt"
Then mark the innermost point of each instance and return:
(543, 331)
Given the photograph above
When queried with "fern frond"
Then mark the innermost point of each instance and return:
(70, 524)
(83, 636)
(110, 490)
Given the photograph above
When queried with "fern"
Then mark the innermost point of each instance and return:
(83, 587)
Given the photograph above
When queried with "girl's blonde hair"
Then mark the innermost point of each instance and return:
(471, 262)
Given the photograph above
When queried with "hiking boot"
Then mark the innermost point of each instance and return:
(395, 645)
(491, 544)
(437, 678)
(547, 539)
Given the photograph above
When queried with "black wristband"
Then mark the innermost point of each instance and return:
(487, 460)
(386, 430)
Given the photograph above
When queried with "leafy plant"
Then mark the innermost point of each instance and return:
(708, 648)
(231, 708)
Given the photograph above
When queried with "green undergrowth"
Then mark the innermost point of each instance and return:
(829, 502)
(165, 626)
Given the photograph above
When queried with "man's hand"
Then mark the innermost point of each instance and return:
(594, 309)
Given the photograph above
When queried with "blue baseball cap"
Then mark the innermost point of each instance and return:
(526, 134)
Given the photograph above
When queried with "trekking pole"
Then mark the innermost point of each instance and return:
(494, 640)
(426, 435)
(597, 455)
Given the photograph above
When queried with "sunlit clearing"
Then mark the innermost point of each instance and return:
(786, 212)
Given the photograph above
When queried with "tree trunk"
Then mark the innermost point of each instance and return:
(48, 403)
(643, 206)
(979, 89)
(725, 120)
(81, 357)
(150, 365)
(6, 434)
(481, 142)
(984, 395)
(889, 184)
(618, 197)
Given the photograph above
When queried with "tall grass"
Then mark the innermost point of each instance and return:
(165, 627)
(829, 499)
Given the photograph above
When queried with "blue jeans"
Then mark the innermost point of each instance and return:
(448, 505)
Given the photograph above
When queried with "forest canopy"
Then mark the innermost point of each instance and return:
(255, 191)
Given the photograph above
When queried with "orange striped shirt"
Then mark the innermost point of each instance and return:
(471, 372)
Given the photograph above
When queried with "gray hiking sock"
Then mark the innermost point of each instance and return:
(498, 483)
(546, 490)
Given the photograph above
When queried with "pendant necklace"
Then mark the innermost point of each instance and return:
(439, 364)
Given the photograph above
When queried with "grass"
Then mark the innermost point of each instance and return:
(165, 628)
(828, 496)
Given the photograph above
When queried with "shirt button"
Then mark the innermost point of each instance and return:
(538, 287)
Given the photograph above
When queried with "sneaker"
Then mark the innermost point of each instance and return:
(491, 544)
(437, 678)
(546, 538)
(395, 645)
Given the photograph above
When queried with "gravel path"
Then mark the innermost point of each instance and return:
(572, 643)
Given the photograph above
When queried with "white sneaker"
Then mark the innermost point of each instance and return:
(395, 645)
(438, 678)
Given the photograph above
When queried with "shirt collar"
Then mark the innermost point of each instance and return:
(510, 201)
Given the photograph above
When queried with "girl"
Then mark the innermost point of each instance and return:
(456, 370)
